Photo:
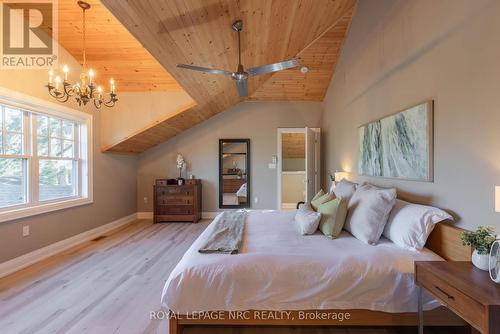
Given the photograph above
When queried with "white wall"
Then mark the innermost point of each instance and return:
(138, 110)
(199, 145)
(399, 53)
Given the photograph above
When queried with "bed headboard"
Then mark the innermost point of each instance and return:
(445, 241)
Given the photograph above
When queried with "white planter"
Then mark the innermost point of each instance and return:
(481, 261)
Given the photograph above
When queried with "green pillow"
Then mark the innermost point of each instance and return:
(320, 200)
(333, 214)
(318, 195)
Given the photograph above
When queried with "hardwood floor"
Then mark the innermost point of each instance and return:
(110, 285)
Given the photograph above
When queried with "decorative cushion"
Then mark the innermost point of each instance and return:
(345, 189)
(322, 199)
(318, 194)
(307, 220)
(333, 214)
(369, 209)
(409, 225)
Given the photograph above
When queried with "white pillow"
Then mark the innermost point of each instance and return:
(307, 220)
(410, 225)
(345, 189)
(369, 209)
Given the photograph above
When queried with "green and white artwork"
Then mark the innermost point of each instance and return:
(398, 146)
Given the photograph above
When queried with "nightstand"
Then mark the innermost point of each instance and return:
(464, 289)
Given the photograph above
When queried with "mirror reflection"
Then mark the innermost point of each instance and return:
(234, 173)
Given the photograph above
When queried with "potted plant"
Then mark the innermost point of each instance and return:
(481, 240)
(180, 164)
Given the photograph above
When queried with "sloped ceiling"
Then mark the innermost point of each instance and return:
(198, 32)
(112, 51)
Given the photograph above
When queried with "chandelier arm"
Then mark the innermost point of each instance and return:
(62, 97)
(69, 91)
(97, 103)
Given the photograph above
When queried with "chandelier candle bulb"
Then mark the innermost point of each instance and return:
(51, 74)
(58, 80)
(65, 70)
(91, 76)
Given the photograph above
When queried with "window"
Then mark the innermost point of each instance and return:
(57, 159)
(44, 157)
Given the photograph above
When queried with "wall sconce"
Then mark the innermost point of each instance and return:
(497, 199)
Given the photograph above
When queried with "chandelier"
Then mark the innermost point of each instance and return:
(85, 90)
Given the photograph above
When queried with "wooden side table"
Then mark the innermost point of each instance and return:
(464, 289)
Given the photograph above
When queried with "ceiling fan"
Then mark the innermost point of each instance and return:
(241, 75)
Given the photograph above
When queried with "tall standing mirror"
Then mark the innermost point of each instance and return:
(234, 173)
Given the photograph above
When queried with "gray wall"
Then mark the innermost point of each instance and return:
(115, 180)
(399, 53)
(255, 120)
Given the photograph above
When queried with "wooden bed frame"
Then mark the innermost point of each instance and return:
(444, 241)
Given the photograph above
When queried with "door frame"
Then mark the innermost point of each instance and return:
(279, 158)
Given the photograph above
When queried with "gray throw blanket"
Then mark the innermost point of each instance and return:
(227, 234)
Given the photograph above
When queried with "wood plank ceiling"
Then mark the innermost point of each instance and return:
(198, 32)
(293, 145)
(111, 50)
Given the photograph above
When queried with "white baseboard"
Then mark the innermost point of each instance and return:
(25, 260)
(149, 215)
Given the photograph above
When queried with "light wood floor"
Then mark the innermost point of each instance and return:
(110, 285)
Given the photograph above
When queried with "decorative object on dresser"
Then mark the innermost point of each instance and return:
(481, 240)
(177, 203)
(464, 289)
(181, 163)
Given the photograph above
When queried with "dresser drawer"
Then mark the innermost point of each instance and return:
(161, 182)
(175, 210)
(469, 309)
(174, 190)
(174, 200)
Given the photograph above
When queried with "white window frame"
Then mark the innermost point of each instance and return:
(84, 182)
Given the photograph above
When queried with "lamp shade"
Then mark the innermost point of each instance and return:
(340, 175)
(497, 198)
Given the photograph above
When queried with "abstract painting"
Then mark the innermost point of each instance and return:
(398, 146)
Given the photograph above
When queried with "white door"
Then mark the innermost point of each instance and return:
(310, 164)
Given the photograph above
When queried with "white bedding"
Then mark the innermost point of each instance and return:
(279, 269)
(242, 192)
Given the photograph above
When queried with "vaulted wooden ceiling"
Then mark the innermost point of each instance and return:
(198, 32)
(112, 51)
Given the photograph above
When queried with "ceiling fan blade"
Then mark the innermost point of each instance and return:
(204, 69)
(273, 67)
(242, 87)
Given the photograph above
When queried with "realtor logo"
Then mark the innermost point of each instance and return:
(28, 33)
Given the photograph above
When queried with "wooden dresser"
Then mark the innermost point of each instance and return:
(174, 203)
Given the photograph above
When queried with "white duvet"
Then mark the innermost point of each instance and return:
(279, 269)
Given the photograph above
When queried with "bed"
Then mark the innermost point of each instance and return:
(278, 269)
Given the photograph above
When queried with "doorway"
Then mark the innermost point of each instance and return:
(298, 166)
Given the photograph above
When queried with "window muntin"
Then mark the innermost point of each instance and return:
(40, 159)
